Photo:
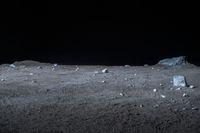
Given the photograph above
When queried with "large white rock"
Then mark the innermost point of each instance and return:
(173, 61)
(179, 80)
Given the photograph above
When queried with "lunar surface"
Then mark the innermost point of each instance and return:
(49, 98)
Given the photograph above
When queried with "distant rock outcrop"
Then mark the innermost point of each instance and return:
(173, 61)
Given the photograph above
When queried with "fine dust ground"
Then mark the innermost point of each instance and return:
(78, 99)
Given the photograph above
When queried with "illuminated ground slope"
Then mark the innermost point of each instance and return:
(39, 97)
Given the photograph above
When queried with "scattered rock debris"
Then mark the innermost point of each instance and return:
(105, 70)
(179, 80)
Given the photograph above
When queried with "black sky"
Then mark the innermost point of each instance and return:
(99, 32)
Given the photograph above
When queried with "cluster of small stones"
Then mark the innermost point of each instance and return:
(178, 81)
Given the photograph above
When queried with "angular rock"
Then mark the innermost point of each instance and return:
(121, 94)
(3, 80)
(173, 61)
(154, 90)
(191, 87)
(105, 70)
(179, 80)
(127, 66)
(39, 67)
(141, 106)
(185, 95)
(31, 74)
(178, 89)
(195, 108)
(163, 96)
(12, 65)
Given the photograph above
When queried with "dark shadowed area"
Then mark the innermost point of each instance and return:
(99, 32)
(92, 66)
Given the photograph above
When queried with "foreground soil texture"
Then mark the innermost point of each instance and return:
(49, 98)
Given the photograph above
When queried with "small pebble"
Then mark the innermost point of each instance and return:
(137, 113)
(33, 82)
(135, 74)
(39, 67)
(185, 95)
(96, 72)
(3, 80)
(163, 96)
(161, 84)
(154, 90)
(172, 100)
(12, 65)
(77, 68)
(105, 70)
(156, 106)
(141, 106)
(103, 81)
(175, 110)
(121, 94)
(31, 74)
(191, 87)
(195, 108)
(127, 66)
(183, 109)
(55, 65)
(178, 89)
